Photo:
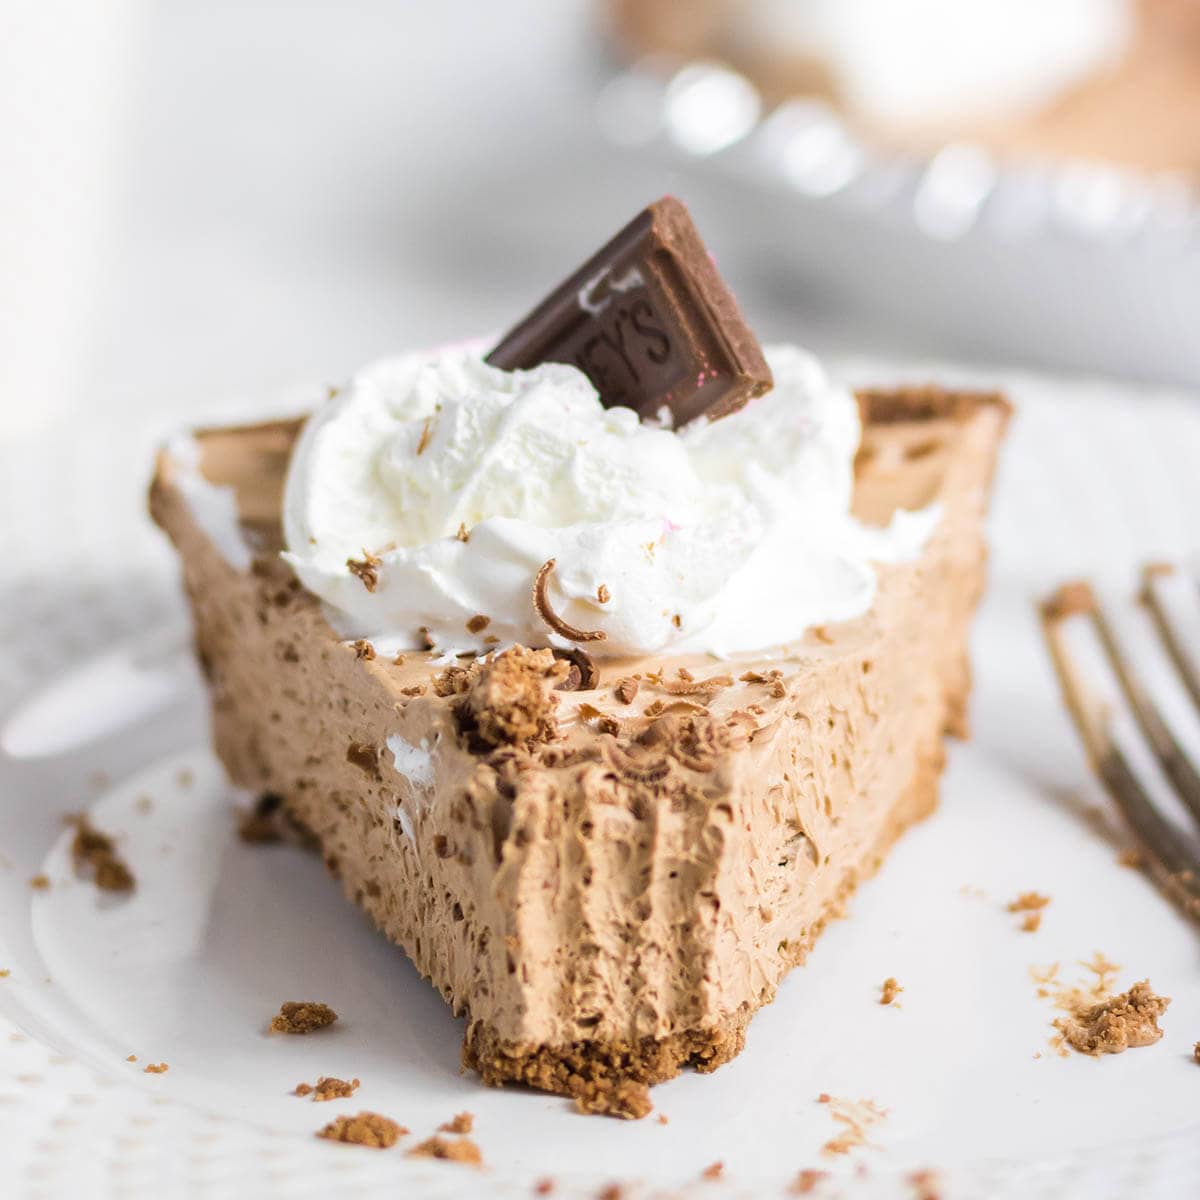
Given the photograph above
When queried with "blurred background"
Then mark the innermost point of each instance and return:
(208, 205)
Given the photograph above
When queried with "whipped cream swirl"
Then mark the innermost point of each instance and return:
(446, 484)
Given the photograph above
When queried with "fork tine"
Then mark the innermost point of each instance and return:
(1167, 633)
(1170, 754)
(1173, 865)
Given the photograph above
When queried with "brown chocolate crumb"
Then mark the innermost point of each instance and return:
(1031, 904)
(889, 990)
(364, 1129)
(1196, 1052)
(303, 1089)
(1132, 858)
(541, 605)
(131, 1058)
(426, 434)
(302, 1016)
(399, 660)
(663, 1119)
(655, 708)
(603, 595)
(713, 1171)
(463, 533)
(366, 568)
(5, 972)
(677, 621)
(478, 623)
(262, 824)
(806, 1181)
(462, 1122)
(508, 700)
(364, 649)
(460, 1150)
(417, 689)
(329, 1087)
(614, 1191)
(156, 1068)
(543, 1187)
(1120, 1023)
(39, 883)
(95, 853)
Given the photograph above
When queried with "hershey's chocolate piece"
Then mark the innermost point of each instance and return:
(650, 322)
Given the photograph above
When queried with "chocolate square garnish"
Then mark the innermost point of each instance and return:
(650, 322)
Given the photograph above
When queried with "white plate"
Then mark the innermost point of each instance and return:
(189, 969)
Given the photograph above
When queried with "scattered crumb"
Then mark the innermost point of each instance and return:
(663, 1119)
(364, 1129)
(677, 621)
(713, 1171)
(417, 689)
(1196, 1052)
(603, 595)
(39, 883)
(1132, 858)
(806, 1181)
(95, 853)
(460, 1150)
(463, 533)
(185, 778)
(464, 1122)
(131, 1058)
(1072, 1000)
(366, 569)
(302, 1016)
(156, 1068)
(889, 990)
(614, 1191)
(1120, 1023)
(543, 1187)
(626, 690)
(1031, 904)
(364, 649)
(5, 973)
(855, 1118)
(399, 660)
(478, 623)
(328, 1087)
(925, 1185)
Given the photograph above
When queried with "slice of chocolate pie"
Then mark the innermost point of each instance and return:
(600, 721)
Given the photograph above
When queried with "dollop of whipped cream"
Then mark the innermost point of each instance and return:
(447, 484)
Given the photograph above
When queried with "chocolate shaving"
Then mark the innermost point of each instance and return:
(541, 605)
(463, 534)
(426, 432)
(582, 675)
(366, 568)
(624, 764)
(696, 687)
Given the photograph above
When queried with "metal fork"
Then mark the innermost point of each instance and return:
(1173, 863)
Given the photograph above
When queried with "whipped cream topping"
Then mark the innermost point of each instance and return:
(930, 62)
(449, 483)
